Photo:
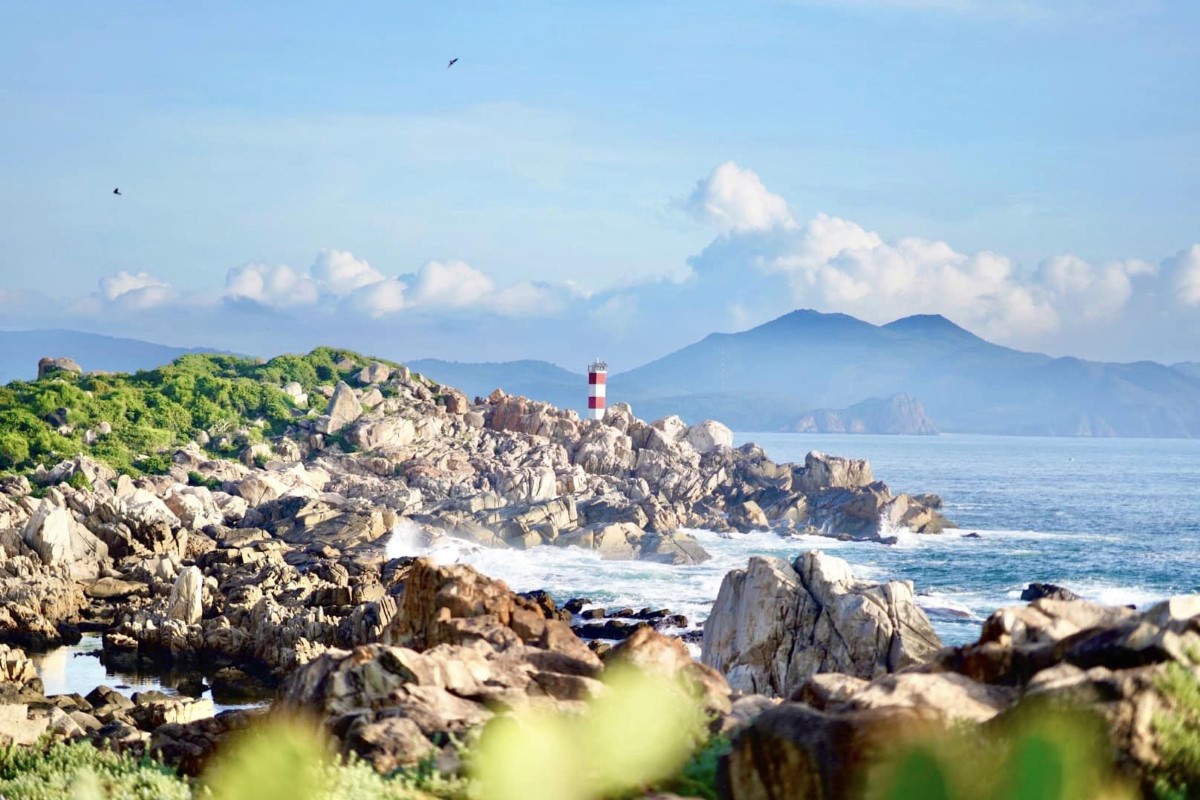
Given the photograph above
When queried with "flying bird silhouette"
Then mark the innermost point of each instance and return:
(452, 62)
(116, 191)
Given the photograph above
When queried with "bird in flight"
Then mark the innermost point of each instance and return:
(116, 191)
(452, 62)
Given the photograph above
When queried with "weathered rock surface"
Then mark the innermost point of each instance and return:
(48, 366)
(775, 624)
(1110, 660)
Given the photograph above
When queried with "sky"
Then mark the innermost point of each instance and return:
(611, 179)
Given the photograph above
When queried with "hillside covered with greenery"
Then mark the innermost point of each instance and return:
(235, 401)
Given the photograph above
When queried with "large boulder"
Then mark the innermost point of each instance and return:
(625, 541)
(775, 624)
(793, 751)
(57, 538)
(380, 433)
(48, 366)
(343, 409)
(709, 435)
(832, 472)
(394, 706)
(455, 604)
(185, 602)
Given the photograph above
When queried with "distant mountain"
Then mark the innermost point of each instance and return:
(900, 414)
(538, 379)
(1190, 369)
(20, 351)
(772, 377)
(806, 360)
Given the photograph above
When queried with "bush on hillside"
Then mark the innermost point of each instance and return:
(155, 410)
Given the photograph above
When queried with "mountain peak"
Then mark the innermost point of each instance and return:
(931, 325)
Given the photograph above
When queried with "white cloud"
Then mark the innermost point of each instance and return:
(279, 286)
(1086, 291)
(734, 199)
(340, 273)
(450, 284)
(380, 298)
(529, 299)
(1184, 272)
(135, 291)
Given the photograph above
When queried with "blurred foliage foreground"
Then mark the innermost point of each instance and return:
(643, 734)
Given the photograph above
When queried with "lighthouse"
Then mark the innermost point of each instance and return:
(597, 379)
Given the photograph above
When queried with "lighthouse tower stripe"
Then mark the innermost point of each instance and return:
(597, 381)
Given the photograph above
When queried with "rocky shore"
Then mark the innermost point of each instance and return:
(270, 576)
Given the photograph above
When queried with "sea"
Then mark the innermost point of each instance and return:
(1114, 520)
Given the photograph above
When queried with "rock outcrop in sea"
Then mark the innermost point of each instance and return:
(774, 625)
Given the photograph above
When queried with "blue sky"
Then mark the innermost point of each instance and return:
(571, 162)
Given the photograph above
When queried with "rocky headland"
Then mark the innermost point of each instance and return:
(268, 577)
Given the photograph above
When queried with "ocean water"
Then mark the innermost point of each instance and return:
(1115, 520)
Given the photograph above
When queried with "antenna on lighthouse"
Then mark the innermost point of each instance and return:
(597, 380)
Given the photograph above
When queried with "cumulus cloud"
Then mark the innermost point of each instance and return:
(340, 273)
(450, 284)
(834, 264)
(134, 291)
(279, 286)
(1184, 272)
(735, 199)
(380, 298)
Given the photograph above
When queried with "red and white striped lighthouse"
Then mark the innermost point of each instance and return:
(597, 379)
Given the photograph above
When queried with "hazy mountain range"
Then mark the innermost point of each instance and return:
(775, 375)
(20, 351)
(803, 371)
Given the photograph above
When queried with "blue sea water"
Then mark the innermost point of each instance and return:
(1115, 520)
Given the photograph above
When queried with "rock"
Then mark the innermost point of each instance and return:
(748, 516)
(17, 727)
(297, 394)
(793, 751)
(18, 675)
(116, 589)
(255, 454)
(455, 604)
(775, 624)
(456, 402)
(186, 601)
(189, 746)
(625, 541)
(388, 432)
(47, 366)
(343, 409)
(1036, 591)
(389, 704)
(55, 536)
(374, 373)
(709, 435)
(830, 472)
(653, 653)
(956, 698)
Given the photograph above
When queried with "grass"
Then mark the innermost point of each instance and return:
(1178, 734)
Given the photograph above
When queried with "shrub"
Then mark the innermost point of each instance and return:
(1178, 731)
(14, 450)
(79, 481)
(83, 771)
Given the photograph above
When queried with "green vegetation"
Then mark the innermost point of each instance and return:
(235, 400)
(1039, 751)
(1178, 734)
(81, 770)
